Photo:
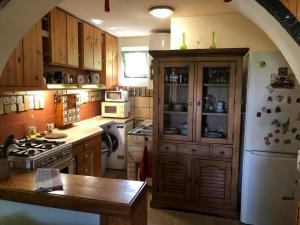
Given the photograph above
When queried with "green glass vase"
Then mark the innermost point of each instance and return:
(213, 44)
(183, 46)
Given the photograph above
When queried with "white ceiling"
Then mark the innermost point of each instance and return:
(131, 17)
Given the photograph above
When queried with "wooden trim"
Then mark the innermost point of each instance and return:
(199, 52)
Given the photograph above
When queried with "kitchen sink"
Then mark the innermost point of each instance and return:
(144, 131)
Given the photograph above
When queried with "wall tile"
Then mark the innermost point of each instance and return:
(142, 112)
(142, 101)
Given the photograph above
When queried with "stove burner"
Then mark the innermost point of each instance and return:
(31, 152)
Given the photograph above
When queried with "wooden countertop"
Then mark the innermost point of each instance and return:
(81, 193)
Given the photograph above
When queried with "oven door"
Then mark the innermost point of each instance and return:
(67, 166)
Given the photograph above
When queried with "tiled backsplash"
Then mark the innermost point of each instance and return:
(17, 123)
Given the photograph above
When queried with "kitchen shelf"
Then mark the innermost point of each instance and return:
(176, 85)
(77, 86)
(214, 114)
(215, 85)
(175, 112)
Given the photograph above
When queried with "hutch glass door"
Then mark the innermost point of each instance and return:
(215, 102)
(176, 100)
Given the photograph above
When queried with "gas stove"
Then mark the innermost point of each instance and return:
(39, 153)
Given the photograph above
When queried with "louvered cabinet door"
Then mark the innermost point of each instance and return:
(174, 177)
(212, 182)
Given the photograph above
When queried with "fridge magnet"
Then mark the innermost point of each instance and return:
(258, 114)
(266, 139)
(277, 131)
(297, 137)
(285, 126)
(276, 140)
(263, 109)
(294, 130)
(278, 109)
(269, 111)
(270, 89)
(270, 135)
(298, 117)
(298, 100)
(270, 99)
(267, 142)
(279, 98)
(283, 79)
(275, 121)
(287, 141)
(289, 100)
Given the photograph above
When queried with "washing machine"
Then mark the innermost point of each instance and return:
(117, 143)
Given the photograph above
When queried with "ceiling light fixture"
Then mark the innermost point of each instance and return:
(161, 11)
(96, 21)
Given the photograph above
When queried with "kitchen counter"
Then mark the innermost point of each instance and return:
(116, 201)
(87, 128)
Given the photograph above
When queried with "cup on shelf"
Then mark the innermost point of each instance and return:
(178, 107)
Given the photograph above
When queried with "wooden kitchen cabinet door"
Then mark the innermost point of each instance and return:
(97, 49)
(88, 46)
(291, 5)
(212, 181)
(115, 61)
(85, 163)
(58, 36)
(33, 56)
(175, 177)
(12, 74)
(72, 41)
(108, 52)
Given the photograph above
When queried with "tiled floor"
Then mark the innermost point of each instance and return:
(174, 217)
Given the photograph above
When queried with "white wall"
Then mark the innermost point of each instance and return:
(16, 18)
(132, 42)
(232, 31)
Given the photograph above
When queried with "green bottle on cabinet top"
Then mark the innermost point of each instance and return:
(213, 44)
(183, 46)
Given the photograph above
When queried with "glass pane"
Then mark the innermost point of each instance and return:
(176, 100)
(215, 102)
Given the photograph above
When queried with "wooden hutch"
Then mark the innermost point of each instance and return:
(196, 129)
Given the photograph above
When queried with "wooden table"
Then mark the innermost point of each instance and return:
(118, 202)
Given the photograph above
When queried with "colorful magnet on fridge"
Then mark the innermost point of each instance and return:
(285, 126)
(287, 141)
(270, 88)
(279, 98)
(297, 137)
(278, 109)
(266, 139)
(289, 100)
(268, 143)
(294, 130)
(263, 109)
(298, 117)
(270, 99)
(269, 111)
(298, 100)
(275, 121)
(276, 140)
(277, 131)
(270, 135)
(258, 114)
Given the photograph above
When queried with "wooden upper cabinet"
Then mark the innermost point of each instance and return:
(88, 46)
(97, 49)
(72, 41)
(33, 56)
(58, 35)
(12, 74)
(110, 67)
(291, 5)
(115, 61)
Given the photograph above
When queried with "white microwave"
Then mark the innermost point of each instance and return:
(115, 109)
(116, 96)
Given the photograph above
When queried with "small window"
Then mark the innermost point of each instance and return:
(135, 63)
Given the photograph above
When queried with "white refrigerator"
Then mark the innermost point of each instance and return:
(271, 141)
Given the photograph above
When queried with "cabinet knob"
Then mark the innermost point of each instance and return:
(167, 148)
(194, 150)
(190, 103)
(86, 170)
(86, 156)
(86, 145)
(222, 152)
(36, 78)
(198, 103)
